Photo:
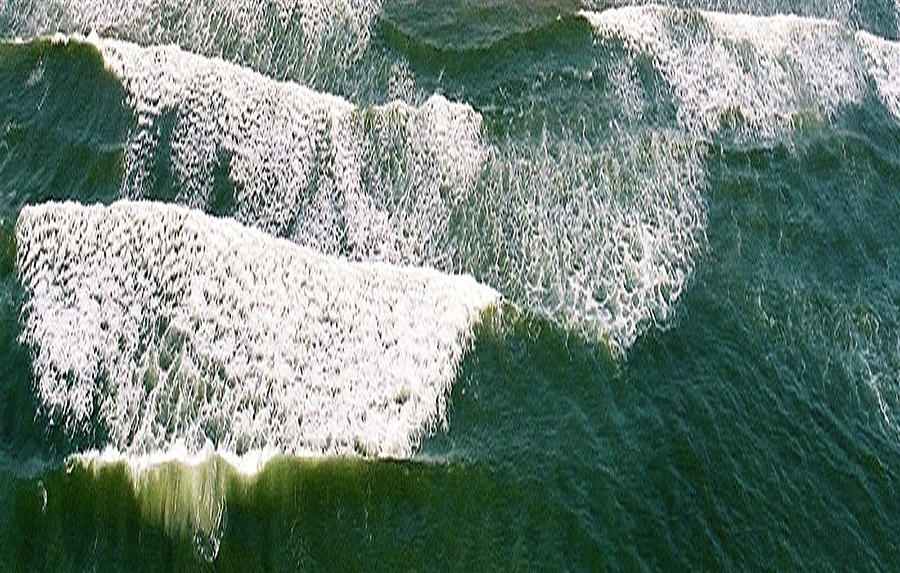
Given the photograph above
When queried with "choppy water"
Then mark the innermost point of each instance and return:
(482, 285)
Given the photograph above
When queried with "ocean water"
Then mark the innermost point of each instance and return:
(352, 284)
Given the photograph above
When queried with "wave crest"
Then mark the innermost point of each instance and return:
(168, 326)
(769, 70)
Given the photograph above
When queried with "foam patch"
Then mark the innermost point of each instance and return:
(883, 57)
(171, 327)
(602, 237)
(598, 237)
(367, 183)
(303, 39)
(770, 71)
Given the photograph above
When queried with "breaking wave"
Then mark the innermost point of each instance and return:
(170, 327)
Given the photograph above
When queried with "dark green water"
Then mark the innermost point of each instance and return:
(743, 412)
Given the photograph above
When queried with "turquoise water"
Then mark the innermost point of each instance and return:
(688, 215)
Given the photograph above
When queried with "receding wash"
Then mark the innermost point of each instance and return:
(471, 285)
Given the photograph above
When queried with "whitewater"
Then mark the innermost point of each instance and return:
(354, 272)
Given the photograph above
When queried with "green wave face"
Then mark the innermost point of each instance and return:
(478, 285)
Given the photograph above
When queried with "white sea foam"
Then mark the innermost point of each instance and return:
(602, 237)
(297, 38)
(768, 69)
(247, 464)
(560, 232)
(368, 183)
(598, 236)
(883, 57)
(169, 327)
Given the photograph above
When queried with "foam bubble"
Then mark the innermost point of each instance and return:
(368, 183)
(767, 69)
(883, 57)
(167, 326)
(560, 232)
(247, 464)
(602, 237)
(303, 39)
